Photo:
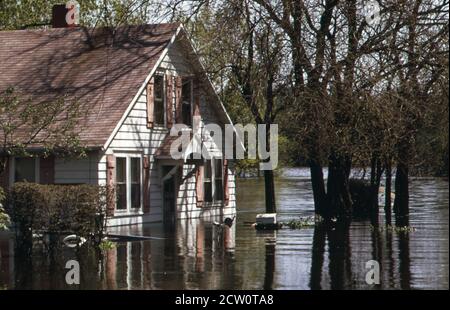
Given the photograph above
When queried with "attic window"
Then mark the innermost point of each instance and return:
(187, 98)
(158, 100)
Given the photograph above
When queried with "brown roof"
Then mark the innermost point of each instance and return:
(101, 68)
(164, 149)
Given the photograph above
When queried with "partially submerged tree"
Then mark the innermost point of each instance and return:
(48, 127)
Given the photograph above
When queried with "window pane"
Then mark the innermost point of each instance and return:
(121, 186)
(208, 171)
(135, 170)
(121, 194)
(135, 182)
(187, 102)
(218, 168)
(135, 196)
(159, 87)
(208, 191)
(219, 190)
(121, 170)
(25, 170)
(158, 110)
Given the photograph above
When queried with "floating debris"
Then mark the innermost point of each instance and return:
(306, 222)
(393, 228)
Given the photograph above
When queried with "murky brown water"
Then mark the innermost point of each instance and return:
(198, 255)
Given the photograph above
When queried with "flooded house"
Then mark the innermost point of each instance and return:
(134, 83)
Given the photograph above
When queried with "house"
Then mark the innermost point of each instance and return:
(134, 83)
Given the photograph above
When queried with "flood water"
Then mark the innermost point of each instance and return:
(199, 255)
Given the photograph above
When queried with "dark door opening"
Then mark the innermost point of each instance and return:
(169, 198)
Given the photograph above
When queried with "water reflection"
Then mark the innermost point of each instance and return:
(196, 254)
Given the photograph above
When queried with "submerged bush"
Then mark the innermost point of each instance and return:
(364, 198)
(301, 223)
(78, 209)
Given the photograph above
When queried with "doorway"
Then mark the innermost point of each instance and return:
(169, 196)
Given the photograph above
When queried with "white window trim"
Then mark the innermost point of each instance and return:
(129, 210)
(12, 170)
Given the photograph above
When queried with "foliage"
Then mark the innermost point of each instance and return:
(301, 223)
(2, 195)
(78, 209)
(107, 245)
(394, 228)
(93, 13)
(51, 125)
(362, 193)
(4, 218)
(34, 13)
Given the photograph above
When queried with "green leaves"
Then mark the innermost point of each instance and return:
(51, 125)
(59, 209)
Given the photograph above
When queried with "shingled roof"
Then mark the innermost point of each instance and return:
(102, 68)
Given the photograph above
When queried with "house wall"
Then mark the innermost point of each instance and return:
(134, 136)
(77, 171)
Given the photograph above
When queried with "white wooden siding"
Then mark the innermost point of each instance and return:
(134, 136)
(76, 171)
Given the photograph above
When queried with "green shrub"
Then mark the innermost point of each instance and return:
(4, 218)
(2, 195)
(78, 209)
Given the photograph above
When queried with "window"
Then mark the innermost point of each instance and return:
(128, 182)
(121, 183)
(208, 181)
(187, 97)
(213, 181)
(25, 169)
(135, 183)
(218, 180)
(158, 110)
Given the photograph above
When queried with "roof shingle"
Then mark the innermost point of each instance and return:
(101, 68)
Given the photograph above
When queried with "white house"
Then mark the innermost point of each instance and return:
(134, 83)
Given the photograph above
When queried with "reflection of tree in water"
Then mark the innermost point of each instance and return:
(405, 262)
(270, 263)
(377, 252)
(45, 268)
(318, 250)
(339, 253)
(340, 258)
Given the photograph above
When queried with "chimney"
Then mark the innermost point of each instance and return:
(59, 12)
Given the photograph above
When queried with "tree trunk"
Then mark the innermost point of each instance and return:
(401, 201)
(338, 193)
(375, 181)
(270, 191)
(318, 187)
(387, 193)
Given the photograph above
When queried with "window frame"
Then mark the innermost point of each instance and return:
(164, 99)
(12, 169)
(212, 180)
(129, 209)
